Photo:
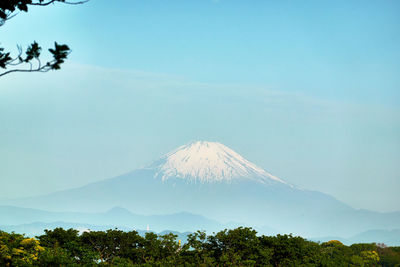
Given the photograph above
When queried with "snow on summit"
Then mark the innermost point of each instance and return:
(209, 162)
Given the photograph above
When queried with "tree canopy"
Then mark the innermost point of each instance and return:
(28, 60)
(236, 247)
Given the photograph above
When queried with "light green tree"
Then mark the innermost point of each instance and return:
(18, 250)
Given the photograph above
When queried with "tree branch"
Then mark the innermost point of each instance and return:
(59, 53)
(8, 7)
(8, 10)
(22, 70)
(61, 1)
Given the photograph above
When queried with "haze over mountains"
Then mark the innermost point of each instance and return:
(115, 217)
(211, 180)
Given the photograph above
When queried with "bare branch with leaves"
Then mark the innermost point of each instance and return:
(30, 61)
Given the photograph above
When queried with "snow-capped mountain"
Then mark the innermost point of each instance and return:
(212, 180)
(209, 162)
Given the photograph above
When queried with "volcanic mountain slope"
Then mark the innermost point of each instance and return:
(210, 179)
(209, 162)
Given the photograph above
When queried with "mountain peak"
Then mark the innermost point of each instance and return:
(207, 162)
(119, 210)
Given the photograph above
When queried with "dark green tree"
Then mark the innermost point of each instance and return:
(334, 253)
(55, 256)
(237, 247)
(198, 251)
(389, 256)
(288, 250)
(63, 244)
(29, 60)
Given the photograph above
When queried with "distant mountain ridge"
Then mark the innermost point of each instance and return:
(116, 216)
(37, 229)
(387, 237)
(210, 179)
(33, 222)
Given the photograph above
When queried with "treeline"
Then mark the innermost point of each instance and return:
(237, 247)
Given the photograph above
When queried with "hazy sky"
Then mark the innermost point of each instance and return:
(308, 90)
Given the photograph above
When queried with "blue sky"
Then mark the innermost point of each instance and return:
(308, 90)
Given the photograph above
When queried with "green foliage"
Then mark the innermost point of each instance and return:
(69, 244)
(60, 53)
(389, 256)
(55, 256)
(4, 58)
(370, 258)
(292, 251)
(17, 250)
(237, 247)
(10, 6)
